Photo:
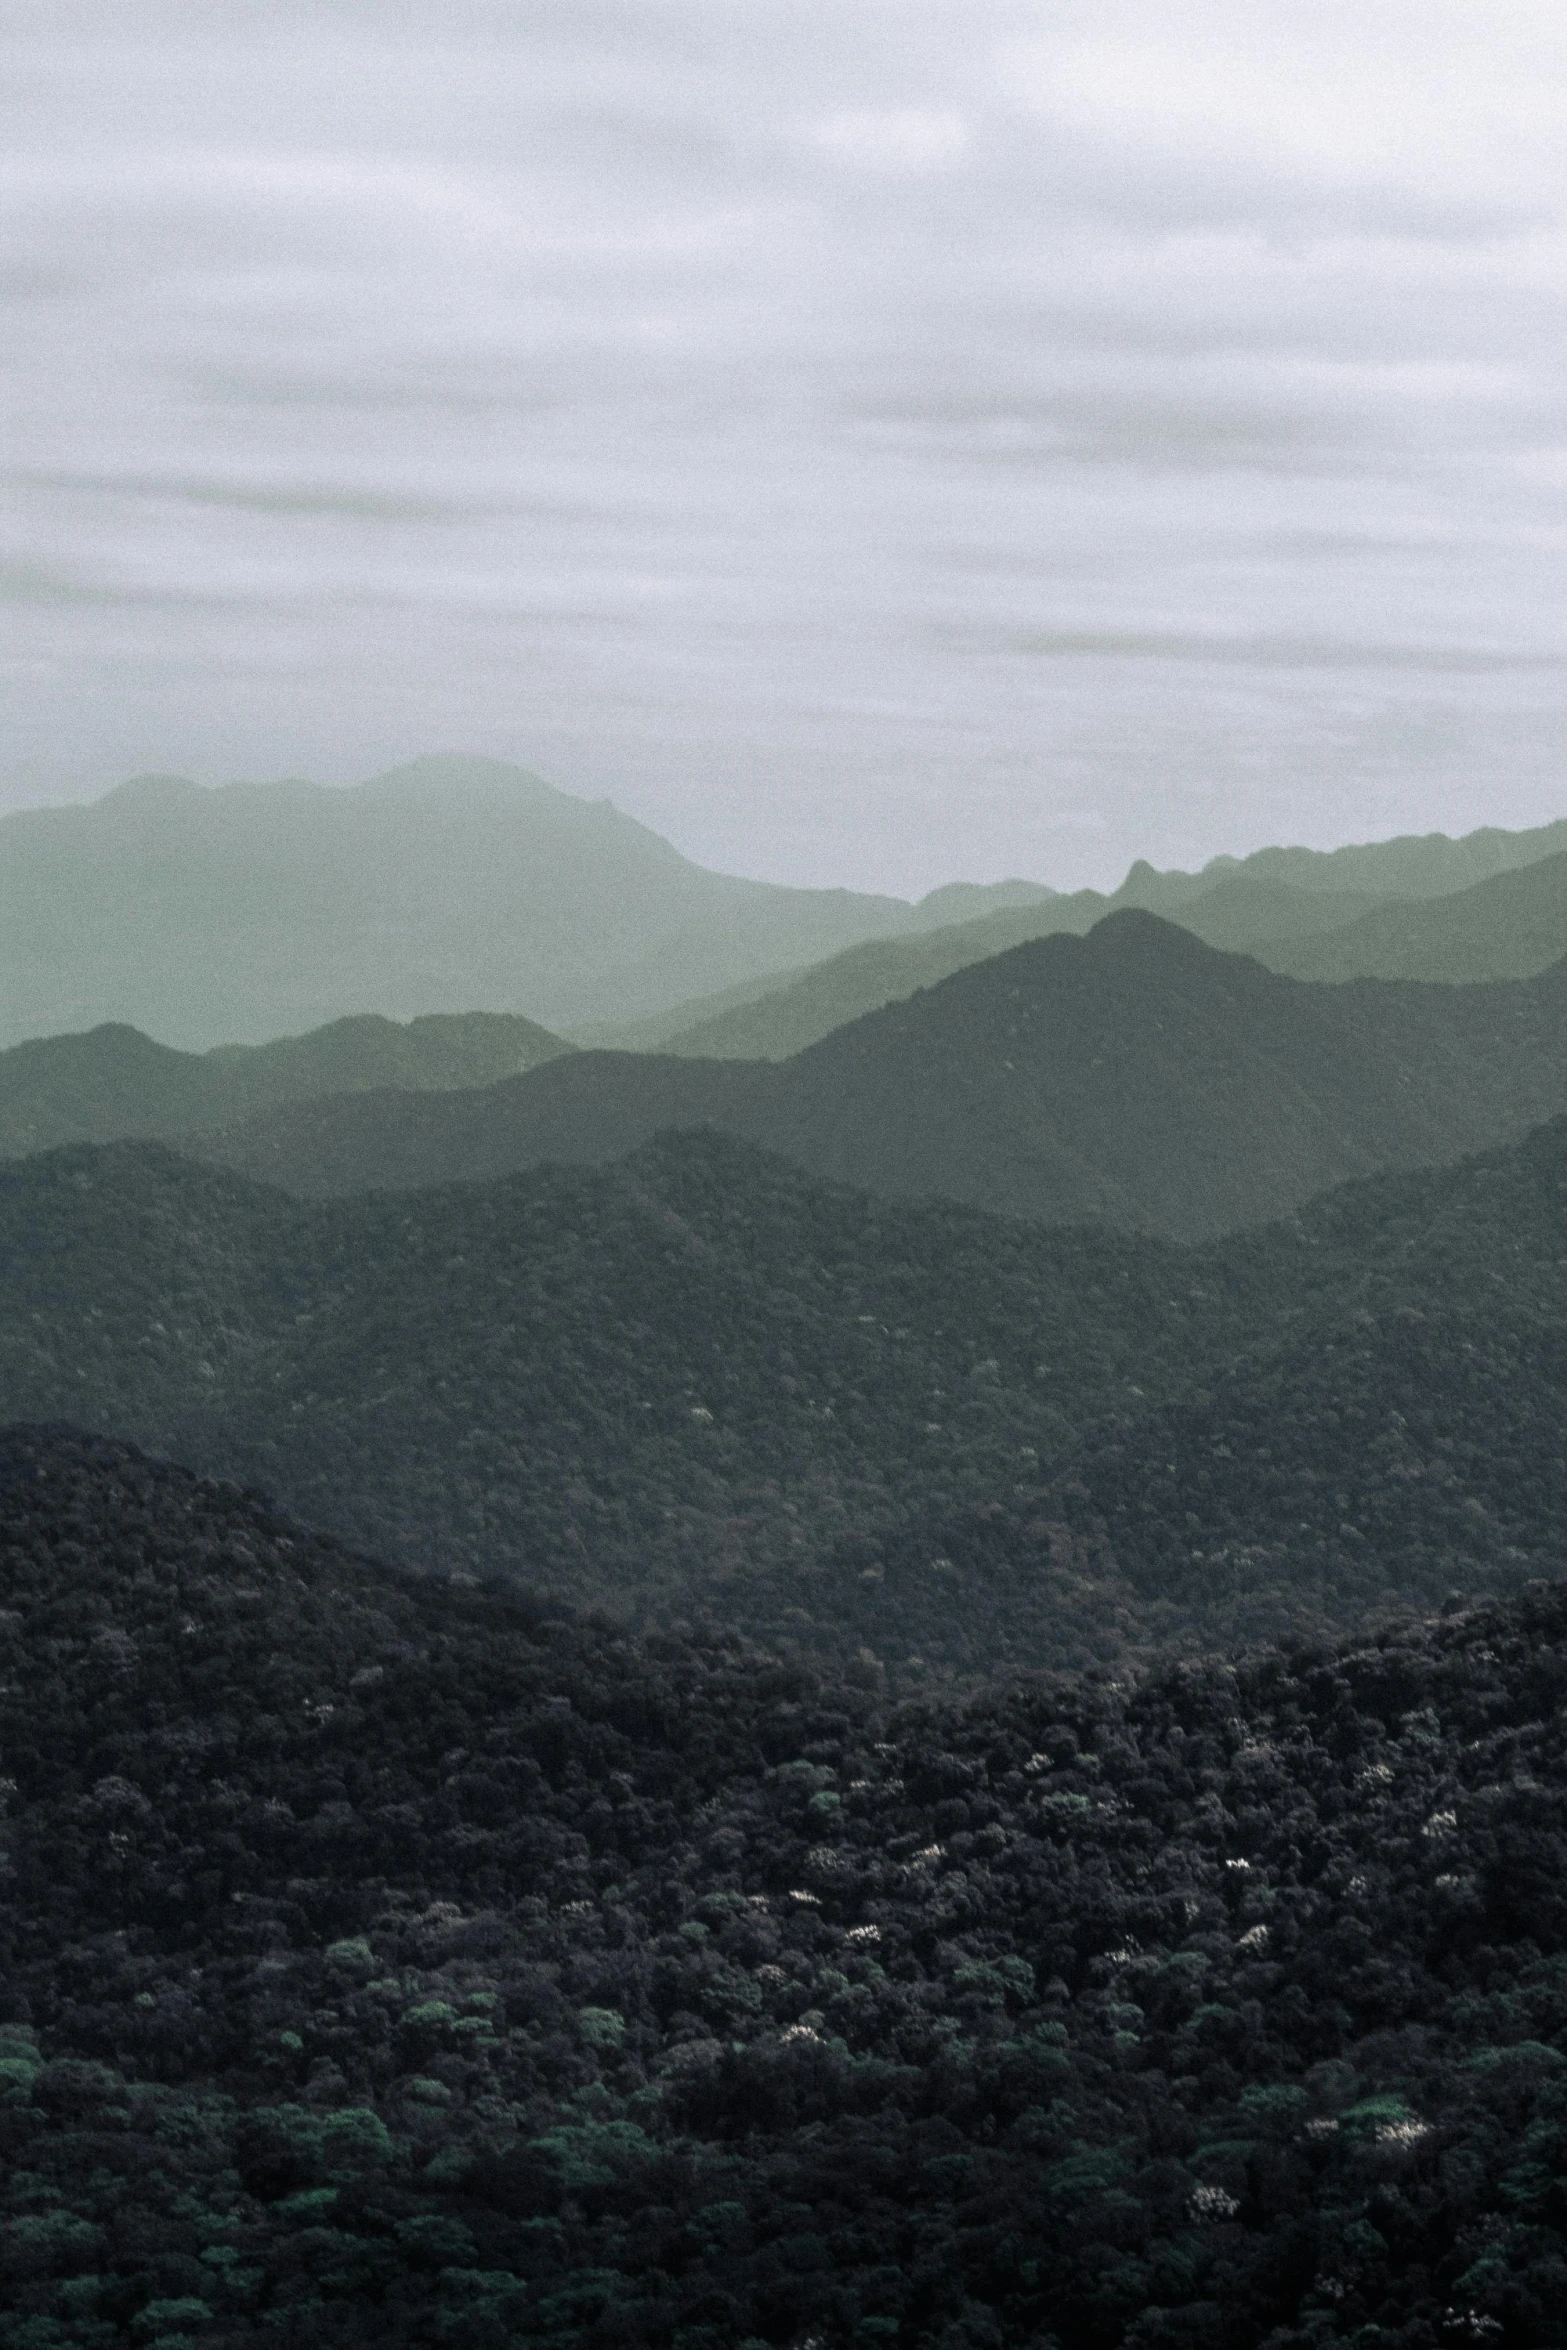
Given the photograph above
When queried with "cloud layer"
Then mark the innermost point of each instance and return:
(872, 442)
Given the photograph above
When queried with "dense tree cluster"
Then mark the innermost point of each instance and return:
(389, 1961)
(700, 1385)
(655, 1384)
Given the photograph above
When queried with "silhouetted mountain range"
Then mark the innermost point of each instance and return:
(211, 917)
(114, 1081)
(207, 917)
(1134, 1075)
(770, 1018)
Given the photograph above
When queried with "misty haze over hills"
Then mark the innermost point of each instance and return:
(452, 885)
(768, 1582)
(1507, 926)
(1134, 1075)
(847, 1709)
(457, 884)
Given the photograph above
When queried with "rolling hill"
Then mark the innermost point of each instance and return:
(236, 915)
(1403, 909)
(394, 1963)
(1134, 1075)
(770, 1020)
(1504, 928)
(116, 1082)
(703, 1384)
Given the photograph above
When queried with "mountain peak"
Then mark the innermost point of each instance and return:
(468, 773)
(152, 791)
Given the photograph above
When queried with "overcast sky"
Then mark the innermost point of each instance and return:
(872, 443)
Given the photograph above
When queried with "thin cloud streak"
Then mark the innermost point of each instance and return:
(869, 441)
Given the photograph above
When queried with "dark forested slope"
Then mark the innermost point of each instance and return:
(685, 1382)
(702, 1382)
(113, 1081)
(385, 1962)
(1133, 1075)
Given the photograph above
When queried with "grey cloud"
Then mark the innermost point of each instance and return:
(257, 498)
(864, 436)
(1259, 652)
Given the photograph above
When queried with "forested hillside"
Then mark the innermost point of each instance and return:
(114, 1081)
(1135, 1076)
(909, 1697)
(387, 1962)
(701, 1383)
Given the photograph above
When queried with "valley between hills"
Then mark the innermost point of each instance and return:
(736, 1618)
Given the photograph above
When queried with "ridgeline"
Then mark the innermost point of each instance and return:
(1134, 1076)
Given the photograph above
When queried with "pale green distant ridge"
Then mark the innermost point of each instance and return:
(262, 910)
(1507, 927)
(1396, 909)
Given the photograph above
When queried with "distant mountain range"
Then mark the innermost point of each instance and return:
(114, 1081)
(207, 917)
(1135, 1076)
(703, 1384)
(812, 1761)
(1507, 926)
(770, 1019)
(232, 916)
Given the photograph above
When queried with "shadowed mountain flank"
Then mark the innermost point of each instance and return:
(1134, 1075)
(114, 1081)
(703, 1383)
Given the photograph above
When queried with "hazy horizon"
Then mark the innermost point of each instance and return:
(874, 446)
(956, 879)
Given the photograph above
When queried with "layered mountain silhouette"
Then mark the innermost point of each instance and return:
(1417, 912)
(769, 1020)
(211, 917)
(206, 917)
(1135, 1076)
(1504, 928)
(115, 1081)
